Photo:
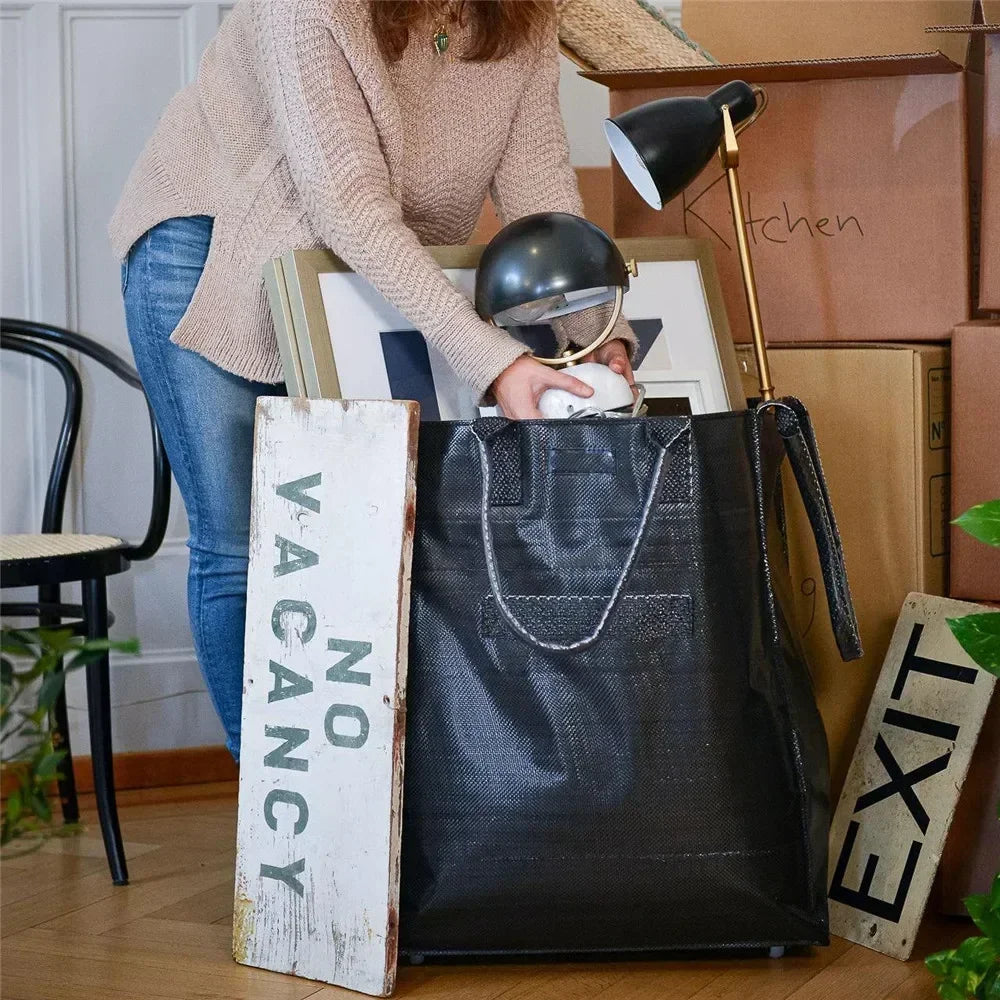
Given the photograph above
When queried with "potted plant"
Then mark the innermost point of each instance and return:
(30, 682)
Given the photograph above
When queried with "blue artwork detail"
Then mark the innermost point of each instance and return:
(408, 367)
(646, 331)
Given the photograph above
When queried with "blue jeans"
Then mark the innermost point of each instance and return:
(206, 418)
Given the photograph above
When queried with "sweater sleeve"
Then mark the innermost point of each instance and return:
(535, 175)
(328, 135)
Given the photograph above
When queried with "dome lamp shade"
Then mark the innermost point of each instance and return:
(548, 265)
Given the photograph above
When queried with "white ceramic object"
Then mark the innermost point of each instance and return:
(611, 391)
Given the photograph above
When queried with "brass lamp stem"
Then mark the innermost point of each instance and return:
(729, 153)
(570, 357)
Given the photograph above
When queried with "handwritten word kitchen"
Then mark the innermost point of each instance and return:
(776, 224)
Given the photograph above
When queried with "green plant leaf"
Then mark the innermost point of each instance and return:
(14, 807)
(16, 643)
(949, 991)
(45, 664)
(989, 988)
(979, 636)
(48, 767)
(40, 805)
(982, 522)
(94, 649)
(985, 915)
(994, 892)
(49, 691)
(940, 962)
(976, 954)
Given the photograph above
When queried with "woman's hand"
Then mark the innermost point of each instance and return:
(614, 354)
(518, 387)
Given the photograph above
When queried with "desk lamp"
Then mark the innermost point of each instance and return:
(546, 266)
(663, 145)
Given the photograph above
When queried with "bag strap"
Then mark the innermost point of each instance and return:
(794, 426)
(486, 428)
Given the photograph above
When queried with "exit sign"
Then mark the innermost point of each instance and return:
(905, 778)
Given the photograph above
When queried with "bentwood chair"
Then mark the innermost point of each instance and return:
(50, 559)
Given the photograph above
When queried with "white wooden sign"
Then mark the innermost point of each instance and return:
(321, 764)
(905, 778)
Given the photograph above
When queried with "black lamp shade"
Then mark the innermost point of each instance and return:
(542, 258)
(663, 145)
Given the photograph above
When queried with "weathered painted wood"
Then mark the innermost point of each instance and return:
(905, 778)
(321, 764)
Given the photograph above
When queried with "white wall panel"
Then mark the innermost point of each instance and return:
(106, 51)
(121, 65)
(18, 497)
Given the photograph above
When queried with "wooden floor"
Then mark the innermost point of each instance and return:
(68, 933)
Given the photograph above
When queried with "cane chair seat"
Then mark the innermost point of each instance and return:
(30, 560)
(14, 547)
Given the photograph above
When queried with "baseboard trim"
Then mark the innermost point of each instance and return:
(155, 769)
(162, 768)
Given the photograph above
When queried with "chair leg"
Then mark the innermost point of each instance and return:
(50, 594)
(95, 608)
(60, 741)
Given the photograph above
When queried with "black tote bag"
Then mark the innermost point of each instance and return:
(612, 739)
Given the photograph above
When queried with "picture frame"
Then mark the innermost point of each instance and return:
(675, 306)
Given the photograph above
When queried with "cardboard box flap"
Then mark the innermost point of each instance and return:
(985, 29)
(774, 72)
(914, 347)
(985, 22)
(736, 31)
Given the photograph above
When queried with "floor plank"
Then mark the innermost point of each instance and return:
(69, 934)
(146, 896)
(858, 973)
(214, 904)
(774, 979)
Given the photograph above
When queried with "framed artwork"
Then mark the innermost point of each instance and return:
(339, 338)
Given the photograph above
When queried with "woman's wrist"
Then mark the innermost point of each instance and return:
(476, 350)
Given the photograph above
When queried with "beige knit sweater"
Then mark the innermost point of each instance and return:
(297, 133)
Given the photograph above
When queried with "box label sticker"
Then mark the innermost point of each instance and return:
(938, 514)
(939, 408)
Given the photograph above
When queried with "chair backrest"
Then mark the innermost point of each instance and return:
(27, 337)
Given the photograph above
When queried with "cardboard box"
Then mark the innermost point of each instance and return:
(734, 31)
(989, 259)
(881, 417)
(983, 58)
(856, 192)
(975, 567)
(971, 853)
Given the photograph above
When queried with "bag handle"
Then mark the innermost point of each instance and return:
(795, 428)
(488, 427)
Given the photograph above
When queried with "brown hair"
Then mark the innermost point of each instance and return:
(498, 26)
